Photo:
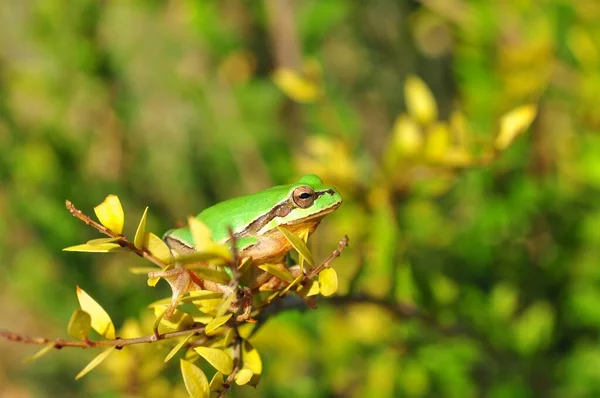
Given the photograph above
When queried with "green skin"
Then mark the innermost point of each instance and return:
(254, 219)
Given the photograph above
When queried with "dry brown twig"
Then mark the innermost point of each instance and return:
(123, 241)
(118, 342)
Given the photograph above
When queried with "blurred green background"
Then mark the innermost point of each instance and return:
(174, 105)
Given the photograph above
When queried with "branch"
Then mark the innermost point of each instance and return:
(237, 363)
(118, 342)
(123, 241)
(336, 253)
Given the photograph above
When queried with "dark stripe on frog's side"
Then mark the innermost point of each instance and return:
(280, 210)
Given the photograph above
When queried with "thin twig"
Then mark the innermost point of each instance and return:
(237, 363)
(118, 342)
(336, 253)
(123, 241)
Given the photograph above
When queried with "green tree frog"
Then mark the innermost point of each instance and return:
(299, 207)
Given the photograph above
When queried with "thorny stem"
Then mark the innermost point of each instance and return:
(123, 241)
(118, 342)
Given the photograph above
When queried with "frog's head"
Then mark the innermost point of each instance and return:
(303, 206)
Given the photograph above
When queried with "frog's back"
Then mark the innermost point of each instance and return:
(238, 212)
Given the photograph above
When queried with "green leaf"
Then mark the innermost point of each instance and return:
(219, 359)
(176, 349)
(101, 321)
(328, 281)
(194, 379)
(216, 384)
(243, 376)
(157, 247)
(216, 323)
(278, 271)
(49, 347)
(110, 213)
(95, 248)
(94, 362)
(80, 324)
(140, 233)
(298, 244)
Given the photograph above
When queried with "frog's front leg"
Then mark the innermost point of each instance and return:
(183, 280)
(268, 282)
(180, 281)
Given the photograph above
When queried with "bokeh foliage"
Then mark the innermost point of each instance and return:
(179, 104)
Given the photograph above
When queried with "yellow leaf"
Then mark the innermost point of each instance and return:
(408, 138)
(202, 318)
(110, 213)
(225, 341)
(419, 100)
(243, 376)
(209, 306)
(95, 362)
(294, 282)
(103, 240)
(157, 248)
(201, 234)
(101, 322)
(216, 384)
(216, 251)
(152, 281)
(251, 358)
(245, 265)
(311, 289)
(141, 270)
(80, 324)
(49, 347)
(194, 379)
(281, 273)
(328, 281)
(438, 142)
(176, 349)
(216, 323)
(219, 359)
(96, 248)
(298, 244)
(225, 304)
(177, 320)
(140, 233)
(213, 275)
(295, 86)
(458, 125)
(514, 123)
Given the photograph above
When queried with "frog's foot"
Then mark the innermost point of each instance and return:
(243, 305)
(181, 281)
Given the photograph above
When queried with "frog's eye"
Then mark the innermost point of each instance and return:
(303, 197)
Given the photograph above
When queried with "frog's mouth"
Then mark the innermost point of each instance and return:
(309, 223)
(316, 216)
